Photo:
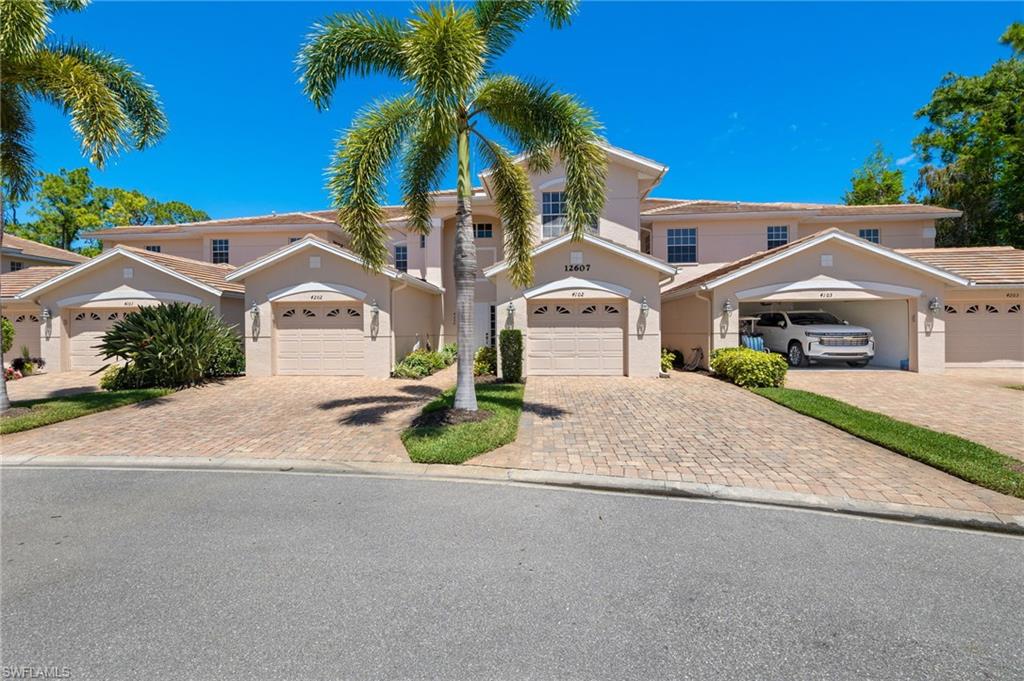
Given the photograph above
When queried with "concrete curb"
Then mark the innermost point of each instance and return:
(972, 520)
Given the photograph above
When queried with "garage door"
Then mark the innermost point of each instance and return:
(568, 338)
(984, 333)
(26, 333)
(87, 327)
(320, 340)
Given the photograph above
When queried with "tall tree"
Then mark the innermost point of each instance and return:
(110, 106)
(445, 54)
(876, 182)
(65, 205)
(132, 207)
(973, 148)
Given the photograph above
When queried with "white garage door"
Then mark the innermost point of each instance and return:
(87, 327)
(320, 340)
(569, 338)
(26, 333)
(989, 333)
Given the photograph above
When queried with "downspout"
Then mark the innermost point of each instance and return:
(391, 323)
(711, 325)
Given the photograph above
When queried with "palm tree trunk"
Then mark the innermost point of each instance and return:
(465, 280)
(5, 401)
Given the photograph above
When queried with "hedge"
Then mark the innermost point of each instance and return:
(511, 343)
(750, 368)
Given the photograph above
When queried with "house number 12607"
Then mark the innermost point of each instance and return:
(577, 268)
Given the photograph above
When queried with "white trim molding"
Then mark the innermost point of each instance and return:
(824, 283)
(635, 256)
(102, 258)
(577, 283)
(317, 287)
(123, 293)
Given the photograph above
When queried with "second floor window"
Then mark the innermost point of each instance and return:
(778, 235)
(483, 230)
(870, 235)
(16, 266)
(219, 250)
(153, 249)
(682, 245)
(402, 258)
(553, 215)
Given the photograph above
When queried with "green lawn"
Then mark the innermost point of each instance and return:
(965, 459)
(1015, 387)
(54, 410)
(457, 443)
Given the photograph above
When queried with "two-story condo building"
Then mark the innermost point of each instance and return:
(653, 273)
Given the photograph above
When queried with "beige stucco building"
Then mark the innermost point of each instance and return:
(653, 273)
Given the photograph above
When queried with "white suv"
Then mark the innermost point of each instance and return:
(803, 335)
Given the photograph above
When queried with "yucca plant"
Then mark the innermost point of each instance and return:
(173, 345)
(445, 54)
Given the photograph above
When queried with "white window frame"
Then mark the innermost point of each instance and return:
(16, 266)
(870, 234)
(669, 245)
(154, 248)
(477, 231)
(220, 247)
(550, 221)
(403, 264)
(779, 242)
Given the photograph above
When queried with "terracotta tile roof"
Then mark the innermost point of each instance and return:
(984, 265)
(293, 218)
(13, 283)
(31, 248)
(654, 206)
(203, 272)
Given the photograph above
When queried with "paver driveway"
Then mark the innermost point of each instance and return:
(699, 429)
(38, 386)
(974, 405)
(335, 418)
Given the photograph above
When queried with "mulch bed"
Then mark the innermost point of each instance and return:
(450, 417)
(15, 411)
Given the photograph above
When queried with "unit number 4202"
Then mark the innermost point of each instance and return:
(577, 268)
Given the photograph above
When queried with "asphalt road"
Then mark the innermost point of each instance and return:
(218, 575)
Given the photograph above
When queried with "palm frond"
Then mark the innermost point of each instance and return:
(426, 155)
(67, 5)
(444, 54)
(514, 198)
(540, 121)
(348, 45)
(501, 20)
(23, 27)
(81, 91)
(356, 177)
(139, 100)
(15, 150)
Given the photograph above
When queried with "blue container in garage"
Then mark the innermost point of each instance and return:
(904, 365)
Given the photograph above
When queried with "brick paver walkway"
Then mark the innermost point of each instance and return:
(351, 419)
(698, 429)
(38, 386)
(971, 404)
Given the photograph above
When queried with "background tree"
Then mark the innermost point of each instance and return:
(445, 54)
(973, 148)
(876, 182)
(132, 207)
(110, 106)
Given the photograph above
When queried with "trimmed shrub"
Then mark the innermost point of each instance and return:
(228, 358)
(450, 352)
(750, 368)
(120, 377)
(6, 334)
(27, 364)
(486, 361)
(511, 342)
(172, 345)
(668, 359)
(420, 363)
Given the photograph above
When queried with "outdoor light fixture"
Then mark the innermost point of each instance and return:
(254, 311)
(374, 308)
(511, 308)
(644, 307)
(46, 314)
(934, 305)
(727, 306)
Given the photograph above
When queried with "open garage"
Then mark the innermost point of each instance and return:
(897, 298)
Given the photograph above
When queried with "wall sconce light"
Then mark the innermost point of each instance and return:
(727, 306)
(374, 308)
(47, 315)
(934, 305)
(254, 312)
(644, 307)
(511, 308)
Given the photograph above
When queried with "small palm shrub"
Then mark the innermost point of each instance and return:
(668, 359)
(419, 363)
(511, 342)
(750, 368)
(450, 352)
(486, 361)
(172, 346)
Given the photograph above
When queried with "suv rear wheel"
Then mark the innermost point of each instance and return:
(795, 355)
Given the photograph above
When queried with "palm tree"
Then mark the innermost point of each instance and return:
(110, 106)
(445, 54)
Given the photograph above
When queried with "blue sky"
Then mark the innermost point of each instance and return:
(766, 102)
